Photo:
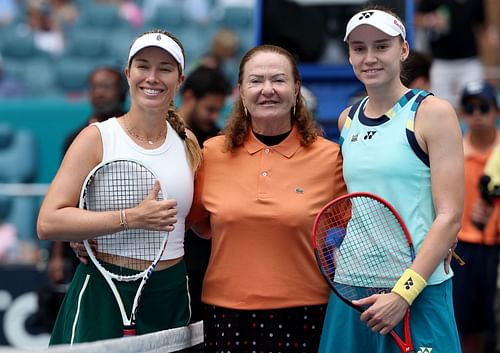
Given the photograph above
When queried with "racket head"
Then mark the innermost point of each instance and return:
(362, 246)
(112, 186)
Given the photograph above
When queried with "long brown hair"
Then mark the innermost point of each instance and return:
(239, 122)
(173, 116)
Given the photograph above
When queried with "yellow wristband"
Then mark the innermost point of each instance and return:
(409, 285)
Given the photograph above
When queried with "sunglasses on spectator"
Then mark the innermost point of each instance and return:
(483, 107)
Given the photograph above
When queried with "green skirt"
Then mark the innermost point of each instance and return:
(90, 312)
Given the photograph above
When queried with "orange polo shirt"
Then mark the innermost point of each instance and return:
(474, 164)
(261, 202)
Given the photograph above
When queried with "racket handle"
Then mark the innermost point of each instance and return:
(460, 261)
(129, 331)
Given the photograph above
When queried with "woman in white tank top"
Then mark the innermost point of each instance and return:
(151, 132)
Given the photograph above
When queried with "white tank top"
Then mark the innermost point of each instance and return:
(169, 163)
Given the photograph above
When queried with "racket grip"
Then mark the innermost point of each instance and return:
(129, 331)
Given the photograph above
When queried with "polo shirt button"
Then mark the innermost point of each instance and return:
(264, 174)
(266, 150)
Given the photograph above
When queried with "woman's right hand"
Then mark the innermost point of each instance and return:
(152, 214)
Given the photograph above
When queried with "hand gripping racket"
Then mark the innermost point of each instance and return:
(131, 254)
(363, 247)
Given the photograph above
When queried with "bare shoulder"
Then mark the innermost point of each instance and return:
(433, 108)
(436, 120)
(343, 117)
(87, 147)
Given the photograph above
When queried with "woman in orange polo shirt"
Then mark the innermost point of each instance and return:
(256, 195)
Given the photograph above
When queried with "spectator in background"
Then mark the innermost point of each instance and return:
(203, 95)
(453, 28)
(129, 11)
(474, 285)
(64, 12)
(417, 70)
(47, 35)
(10, 87)
(107, 95)
(223, 52)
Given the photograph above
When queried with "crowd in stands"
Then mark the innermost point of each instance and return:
(51, 46)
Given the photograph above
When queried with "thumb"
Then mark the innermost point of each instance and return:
(153, 193)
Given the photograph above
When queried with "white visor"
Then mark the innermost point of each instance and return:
(159, 40)
(381, 20)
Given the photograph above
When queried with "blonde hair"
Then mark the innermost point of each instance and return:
(173, 116)
(239, 121)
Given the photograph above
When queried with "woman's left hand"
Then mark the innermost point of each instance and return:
(384, 313)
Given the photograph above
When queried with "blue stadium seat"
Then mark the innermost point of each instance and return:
(73, 73)
(86, 42)
(17, 155)
(168, 17)
(39, 77)
(104, 16)
(119, 45)
(194, 41)
(18, 164)
(237, 17)
(18, 45)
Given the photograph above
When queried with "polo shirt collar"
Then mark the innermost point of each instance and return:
(287, 147)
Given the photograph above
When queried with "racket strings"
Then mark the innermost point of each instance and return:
(122, 185)
(361, 246)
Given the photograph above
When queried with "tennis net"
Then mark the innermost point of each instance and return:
(179, 340)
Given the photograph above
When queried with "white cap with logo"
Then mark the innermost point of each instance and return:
(381, 20)
(159, 40)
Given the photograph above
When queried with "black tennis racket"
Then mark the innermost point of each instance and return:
(363, 247)
(131, 254)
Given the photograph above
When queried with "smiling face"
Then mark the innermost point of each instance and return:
(154, 78)
(375, 56)
(268, 88)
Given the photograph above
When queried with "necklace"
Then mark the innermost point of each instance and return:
(150, 141)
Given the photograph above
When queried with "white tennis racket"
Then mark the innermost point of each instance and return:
(118, 185)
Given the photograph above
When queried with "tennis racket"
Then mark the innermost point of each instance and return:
(131, 254)
(363, 247)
